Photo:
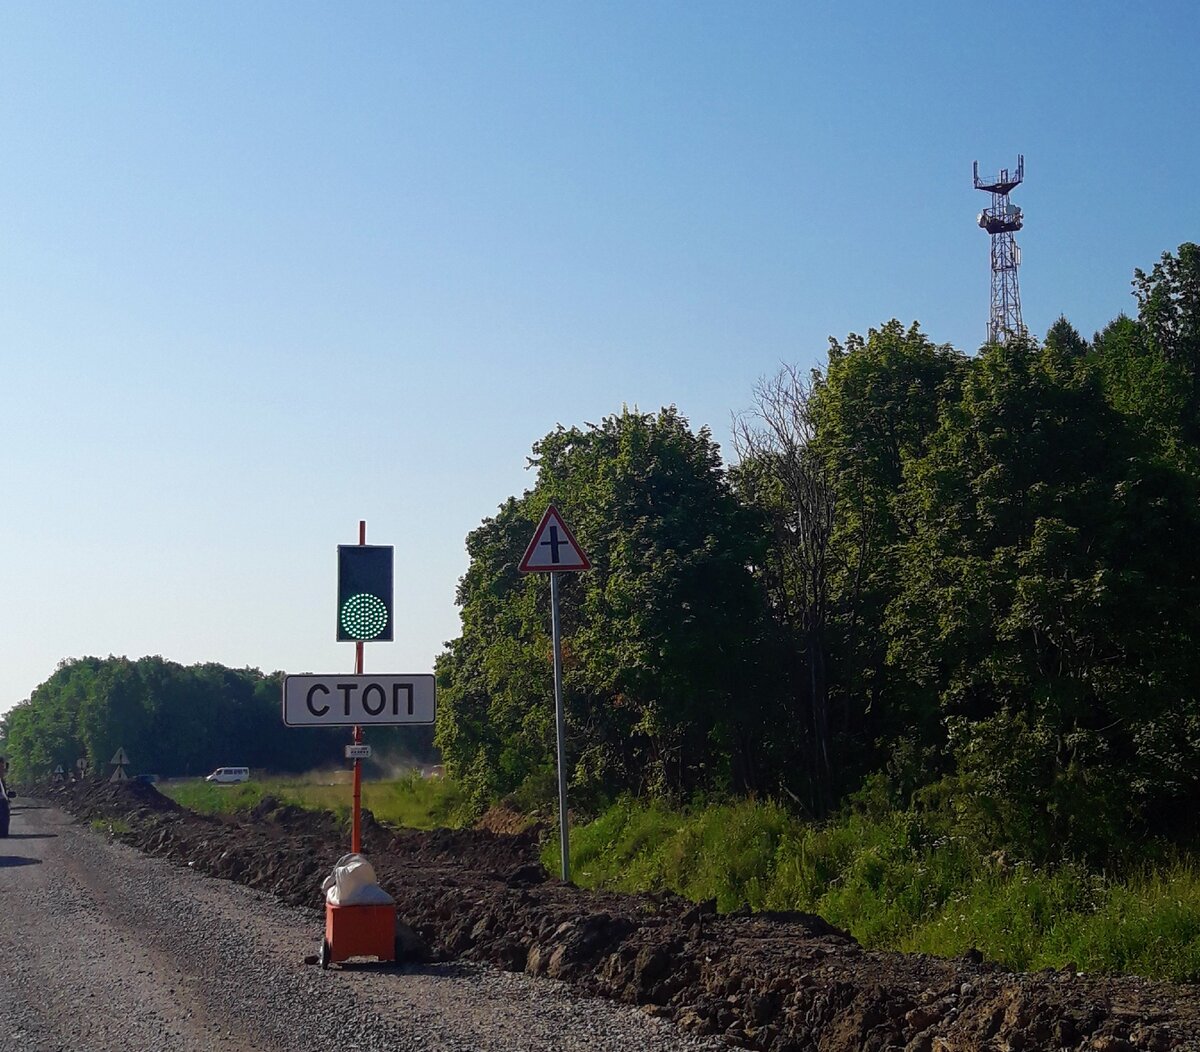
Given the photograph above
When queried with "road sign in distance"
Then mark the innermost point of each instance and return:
(364, 593)
(358, 752)
(553, 547)
(352, 701)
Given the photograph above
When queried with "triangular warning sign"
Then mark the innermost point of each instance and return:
(553, 548)
(120, 757)
(119, 775)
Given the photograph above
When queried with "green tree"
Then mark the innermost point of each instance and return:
(170, 719)
(1169, 310)
(878, 405)
(784, 475)
(656, 635)
(43, 731)
(1048, 598)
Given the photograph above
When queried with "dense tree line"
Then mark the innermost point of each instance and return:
(172, 720)
(969, 582)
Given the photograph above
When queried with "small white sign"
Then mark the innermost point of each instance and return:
(119, 775)
(120, 758)
(358, 752)
(354, 701)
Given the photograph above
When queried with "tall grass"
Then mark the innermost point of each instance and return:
(900, 881)
(210, 799)
(412, 801)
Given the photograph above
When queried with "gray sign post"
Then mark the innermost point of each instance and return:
(552, 550)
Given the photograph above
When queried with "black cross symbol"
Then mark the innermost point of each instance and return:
(554, 543)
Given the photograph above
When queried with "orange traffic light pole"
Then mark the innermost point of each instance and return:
(356, 815)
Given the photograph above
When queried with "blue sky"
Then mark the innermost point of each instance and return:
(267, 269)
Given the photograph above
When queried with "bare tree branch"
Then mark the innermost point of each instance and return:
(776, 441)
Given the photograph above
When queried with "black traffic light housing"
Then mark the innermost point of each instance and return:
(364, 599)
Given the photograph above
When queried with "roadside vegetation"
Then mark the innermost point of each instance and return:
(902, 880)
(897, 880)
(412, 801)
(972, 574)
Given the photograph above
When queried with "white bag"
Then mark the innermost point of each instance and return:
(352, 883)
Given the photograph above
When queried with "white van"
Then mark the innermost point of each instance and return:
(228, 775)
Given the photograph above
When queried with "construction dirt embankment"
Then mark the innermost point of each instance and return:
(783, 982)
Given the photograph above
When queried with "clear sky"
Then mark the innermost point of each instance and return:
(270, 268)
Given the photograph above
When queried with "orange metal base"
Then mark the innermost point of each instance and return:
(360, 931)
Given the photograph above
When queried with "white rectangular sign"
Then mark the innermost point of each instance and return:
(352, 701)
(358, 752)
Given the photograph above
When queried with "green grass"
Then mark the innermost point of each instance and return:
(1145, 924)
(210, 799)
(412, 801)
(900, 881)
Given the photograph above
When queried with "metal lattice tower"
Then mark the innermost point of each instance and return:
(1002, 219)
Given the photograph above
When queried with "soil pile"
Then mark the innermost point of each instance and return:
(784, 982)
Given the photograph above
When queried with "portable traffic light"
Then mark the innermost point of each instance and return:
(364, 599)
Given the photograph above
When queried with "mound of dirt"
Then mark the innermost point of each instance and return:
(479, 850)
(501, 818)
(783, 982)
(108, 799)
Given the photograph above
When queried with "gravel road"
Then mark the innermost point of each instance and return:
(104, 948)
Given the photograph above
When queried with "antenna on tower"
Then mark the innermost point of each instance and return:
(1001, 219)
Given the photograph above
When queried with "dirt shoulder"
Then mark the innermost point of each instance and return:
(108, 949)
(772, 981)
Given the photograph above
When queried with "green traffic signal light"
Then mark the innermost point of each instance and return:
(364, 600)
(364, 616)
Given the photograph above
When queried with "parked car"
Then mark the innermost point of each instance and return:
(5, 810)
(229, 775)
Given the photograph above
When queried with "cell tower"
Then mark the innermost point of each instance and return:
(1002, 219)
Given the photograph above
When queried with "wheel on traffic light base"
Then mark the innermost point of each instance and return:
(326, 953)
